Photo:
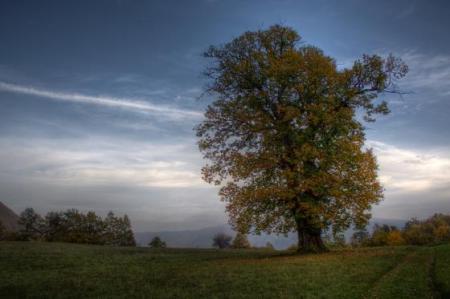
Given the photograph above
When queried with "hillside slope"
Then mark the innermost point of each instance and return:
(8, 218)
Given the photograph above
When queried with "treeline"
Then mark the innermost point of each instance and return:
(73, 226)
(432, 231)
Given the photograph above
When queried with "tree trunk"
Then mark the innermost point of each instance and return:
(310, 239)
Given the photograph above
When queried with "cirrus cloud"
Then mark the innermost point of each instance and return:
(105, 101)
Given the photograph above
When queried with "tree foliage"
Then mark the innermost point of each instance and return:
(432, 231)
(241, 241)
(118, 231)
(32, 225)
(75, 227)
(380, 234)
(283, 138)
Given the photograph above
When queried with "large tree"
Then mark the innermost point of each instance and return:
(284, 136)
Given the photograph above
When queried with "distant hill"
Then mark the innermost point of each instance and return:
(202, 238)
(8, 218)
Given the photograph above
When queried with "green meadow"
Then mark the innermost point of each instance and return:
(57, 270)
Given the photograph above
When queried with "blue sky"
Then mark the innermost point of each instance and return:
(99, 98)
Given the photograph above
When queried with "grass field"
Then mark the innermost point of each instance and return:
(49, 270)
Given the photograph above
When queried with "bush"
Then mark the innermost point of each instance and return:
(156, 242)
(395, 238)
(360, 238)
(381, 233)
(221, 241)
(434, 230)
(431, 231)
(269, 246)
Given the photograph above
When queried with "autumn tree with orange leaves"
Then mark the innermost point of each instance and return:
(283, 139)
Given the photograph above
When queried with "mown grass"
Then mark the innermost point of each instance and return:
(46, 270)
(411, 278)
(441, 273)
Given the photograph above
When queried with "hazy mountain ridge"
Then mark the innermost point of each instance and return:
(202, 238)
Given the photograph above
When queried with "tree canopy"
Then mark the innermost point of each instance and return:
(240, 241)
(283, 136)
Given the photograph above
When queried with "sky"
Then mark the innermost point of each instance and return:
(98, 100)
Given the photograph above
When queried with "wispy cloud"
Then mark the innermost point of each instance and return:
(106, 101)
(87, 162)
(427, 72)
(406, 171)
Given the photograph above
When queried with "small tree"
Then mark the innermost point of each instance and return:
(381, 233)
(111, 231)
(241, 241)
(156, 242)
(73, 227)
(360, 237)
(126, 233)
(221, 241)
(93, 227)
(269, 246)
(56, 228)
(32, 225)
(118, 231)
